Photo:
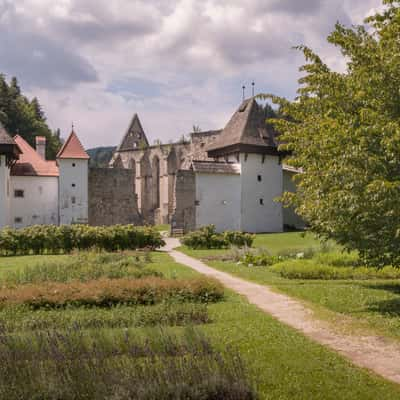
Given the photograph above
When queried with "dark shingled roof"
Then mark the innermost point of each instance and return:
(246, 131)
(8, 146)
(134, 136)
(213, 167)
(5, 138)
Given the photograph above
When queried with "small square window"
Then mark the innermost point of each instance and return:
(73, 164)
(73, 200)
(19, 193)
(261, 202)
(259, 178)
(18, 220)
(73, 185)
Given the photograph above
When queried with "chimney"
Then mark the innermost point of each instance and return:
(41, 146)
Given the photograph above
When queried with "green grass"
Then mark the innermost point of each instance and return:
(284, 363)
(372, 305)
(281, 241)
(162, 227)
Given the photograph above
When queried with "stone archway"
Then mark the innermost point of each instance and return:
(146, 202)
(132, 166)
(155, 169)
(172, 168)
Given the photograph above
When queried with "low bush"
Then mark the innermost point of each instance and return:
(83, 267)
(310, 269)
(208, 238)
(22, 318)
(259, 259)
(73, 366)
(51, 239)
(108, 293)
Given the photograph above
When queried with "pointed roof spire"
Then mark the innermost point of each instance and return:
(134, 136)
(246, 132)
(72, 148)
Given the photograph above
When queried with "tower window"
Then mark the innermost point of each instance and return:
(73, 164)
(259, 178)
(19, 193)
(73, 185)
(18, 220)
(261, 202)
(73, 200)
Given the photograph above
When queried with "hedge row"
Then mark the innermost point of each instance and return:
(208, 238)
(111, 292)
(309, 269)
(51, 239)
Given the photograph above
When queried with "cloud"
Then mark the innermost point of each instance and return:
(177, 62)
(37, 59)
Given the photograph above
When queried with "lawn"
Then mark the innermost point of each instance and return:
(283, 364)
(373, 304)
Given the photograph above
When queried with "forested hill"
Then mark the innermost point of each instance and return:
(100, 156)
(25, 117)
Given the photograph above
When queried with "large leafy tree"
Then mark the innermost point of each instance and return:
(343, 130)
(21, 116)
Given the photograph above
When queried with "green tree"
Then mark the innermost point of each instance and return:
(24, 117)
(343, 130)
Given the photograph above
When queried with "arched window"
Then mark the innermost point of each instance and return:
(132, 166)
(155, 169)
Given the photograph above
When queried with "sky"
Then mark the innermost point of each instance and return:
(177, 63)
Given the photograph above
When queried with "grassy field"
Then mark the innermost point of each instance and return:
(372, 304)
(283, 364)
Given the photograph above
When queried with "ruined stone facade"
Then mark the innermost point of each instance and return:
(155, 168)
(112, 199)
(229, 178)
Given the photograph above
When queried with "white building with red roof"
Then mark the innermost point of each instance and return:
(36, 191)
(73, 163)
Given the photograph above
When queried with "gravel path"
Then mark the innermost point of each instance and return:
(372, 352)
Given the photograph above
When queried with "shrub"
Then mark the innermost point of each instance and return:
(74, 366)
(108, 293)
(310, 269)
(83, 267)
(208, 238)
(260, 259)
(52, 239)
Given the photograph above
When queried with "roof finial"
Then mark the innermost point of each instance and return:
(252, 84)
(243, 88)
(73, 126)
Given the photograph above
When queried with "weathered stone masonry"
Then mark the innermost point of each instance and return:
(155, 169)
(112, 198)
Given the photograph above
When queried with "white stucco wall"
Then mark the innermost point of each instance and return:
(39, 206)
(73, 175)
(218, 201)
(5, 215)
(290, 218)
(255, 217)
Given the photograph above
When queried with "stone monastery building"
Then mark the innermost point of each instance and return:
(229, 178)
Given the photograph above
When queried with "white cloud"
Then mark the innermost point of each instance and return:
(177, 63)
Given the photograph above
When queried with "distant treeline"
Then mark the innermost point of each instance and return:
(25, 117)
(100, 156)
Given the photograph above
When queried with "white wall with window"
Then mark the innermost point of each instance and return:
(73, 191)
(261, 184)
(34, 200)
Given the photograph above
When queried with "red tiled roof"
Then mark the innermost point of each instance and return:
(73, 148)
(30, 163)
